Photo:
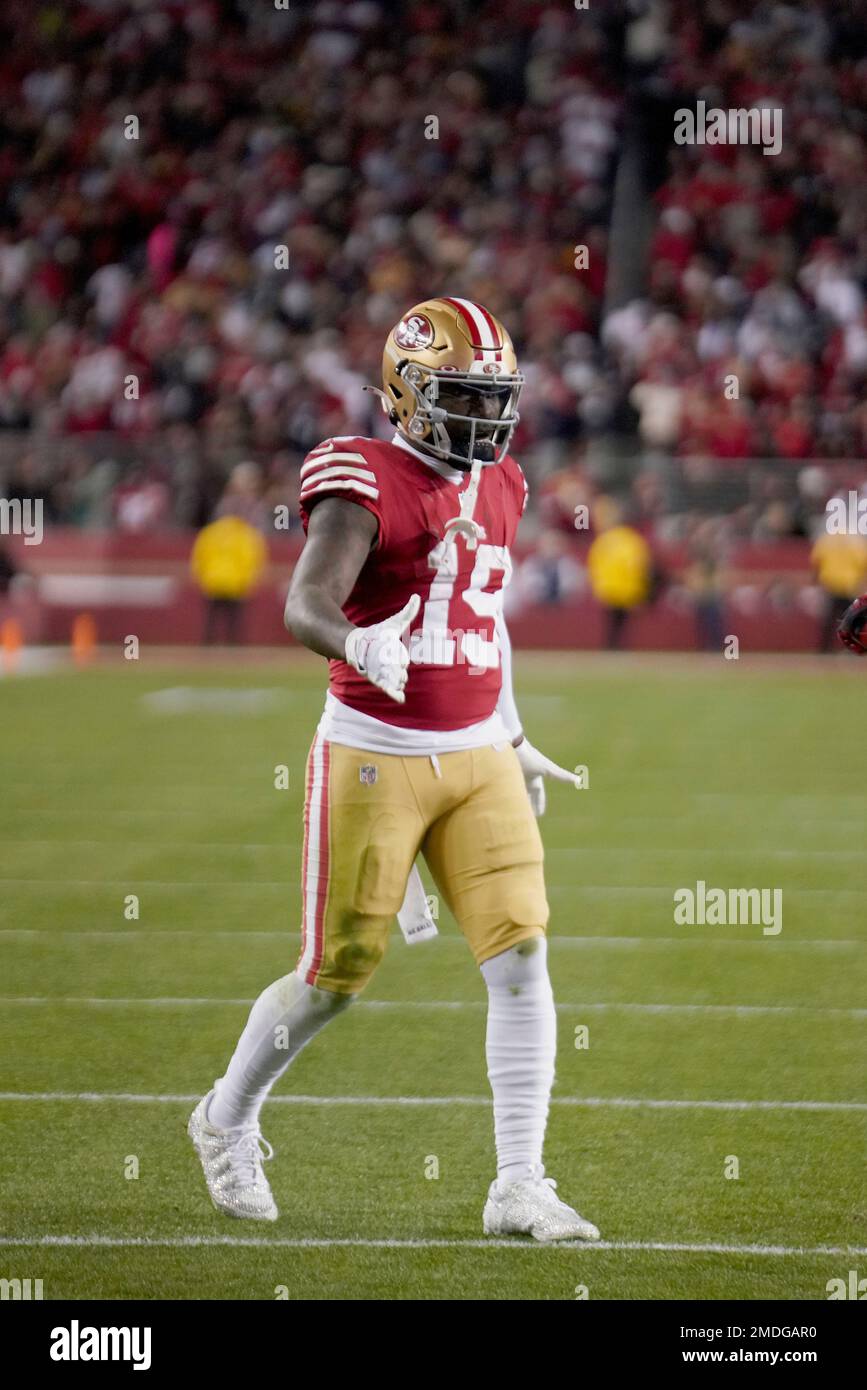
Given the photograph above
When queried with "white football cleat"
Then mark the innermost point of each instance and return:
(532, 1208)
(232, 1164)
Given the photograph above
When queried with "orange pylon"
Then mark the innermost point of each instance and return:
(83, 639)
(11, 642)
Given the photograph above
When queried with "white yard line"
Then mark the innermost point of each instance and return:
(360, 1242)
(828, 823)
(613, 890)
(670, 851)
(133, 881)
(454, 938)
(173, 1001)
(280, 847)
(584, 1102)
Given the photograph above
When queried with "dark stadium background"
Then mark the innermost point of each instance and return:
(305, 127)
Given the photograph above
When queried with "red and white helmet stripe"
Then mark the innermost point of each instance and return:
(482, 329)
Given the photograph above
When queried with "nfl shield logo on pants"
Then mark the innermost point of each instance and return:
(367, 773)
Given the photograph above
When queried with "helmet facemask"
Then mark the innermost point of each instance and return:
(460, 437)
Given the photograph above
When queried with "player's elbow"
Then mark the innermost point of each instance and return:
(299, 615)
(292, 618)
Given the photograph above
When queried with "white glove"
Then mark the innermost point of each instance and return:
(379, 653)
(536, 767)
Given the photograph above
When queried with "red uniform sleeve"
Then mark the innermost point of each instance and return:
(342, 468)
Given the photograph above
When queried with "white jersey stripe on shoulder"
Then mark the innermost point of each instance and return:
(330, 443)
(341, 484)
(328, 470)
(337, 456)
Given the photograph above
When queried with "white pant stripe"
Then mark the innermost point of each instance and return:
(313, 924)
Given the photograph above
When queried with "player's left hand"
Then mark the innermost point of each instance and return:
(852, 624)
(536, 767)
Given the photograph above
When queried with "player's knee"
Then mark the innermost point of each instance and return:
(319, 998)
(347, 970)
(520, 966)
(357, 960)
(329, 1001)
(530, 947)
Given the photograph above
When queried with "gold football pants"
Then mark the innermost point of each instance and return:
(366, 817)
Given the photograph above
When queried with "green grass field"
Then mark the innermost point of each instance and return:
(705, 1041)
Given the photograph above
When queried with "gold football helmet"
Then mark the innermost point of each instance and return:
(451, 382)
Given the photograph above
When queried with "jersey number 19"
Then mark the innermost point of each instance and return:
(437, 642)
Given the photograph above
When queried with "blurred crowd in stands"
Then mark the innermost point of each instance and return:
(258, 128)
(151, 260)
(758, 267)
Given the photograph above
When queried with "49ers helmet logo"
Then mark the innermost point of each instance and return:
(414, 332)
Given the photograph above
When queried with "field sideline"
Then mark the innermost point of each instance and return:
(706, 1043)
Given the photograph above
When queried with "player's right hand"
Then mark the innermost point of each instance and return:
(536, 767)
(379, 653)
(851, 630)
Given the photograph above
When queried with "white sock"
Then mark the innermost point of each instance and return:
(521, 1046)
(283, 1020)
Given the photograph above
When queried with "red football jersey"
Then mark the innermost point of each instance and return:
(455, 673)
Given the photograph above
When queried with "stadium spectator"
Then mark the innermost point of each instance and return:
(141, 501)
(551, 574)
(620, 569)
(705, 582)
(840, 564)
(227, 562)
(243, 496)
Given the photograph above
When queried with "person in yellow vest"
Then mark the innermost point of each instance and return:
(620, 568)
(229, 556)
(840, 566)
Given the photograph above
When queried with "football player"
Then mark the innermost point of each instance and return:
(419, 751)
